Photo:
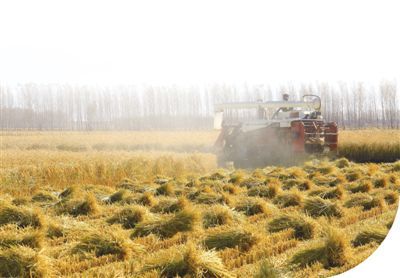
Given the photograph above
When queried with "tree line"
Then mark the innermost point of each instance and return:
(68, 107)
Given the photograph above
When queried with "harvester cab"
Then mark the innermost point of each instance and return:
(256, 134)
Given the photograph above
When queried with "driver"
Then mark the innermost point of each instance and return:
(285, 97)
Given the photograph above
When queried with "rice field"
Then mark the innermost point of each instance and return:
(154, 204)
(371, 145)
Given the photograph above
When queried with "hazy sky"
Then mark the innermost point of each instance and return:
(164, 42)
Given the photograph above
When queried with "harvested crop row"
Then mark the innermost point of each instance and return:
(226, 223)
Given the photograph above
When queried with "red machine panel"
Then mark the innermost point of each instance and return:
(298, 136)
(331, 136)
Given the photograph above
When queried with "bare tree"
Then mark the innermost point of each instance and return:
(51, 106)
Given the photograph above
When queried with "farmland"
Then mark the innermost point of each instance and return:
(150, 204)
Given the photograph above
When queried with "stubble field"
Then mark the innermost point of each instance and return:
(150, 204)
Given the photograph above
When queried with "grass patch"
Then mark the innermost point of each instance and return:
(333, 252)
(128, 184)
(147, 199)
(230, 239)
(102, 245)
(288, 200)
(391, 198)
(69, 192)
(342, 163)
(336, 193)
(44, 197)
(365, 201)
(216, 176)
(371, 234)
(267, 270)
(250, 182)
(21, 201)
(317, 207)
(54, 231)
(265, 191)
(33, 239)
(231, 189)
(128, 217)
(166, 189)
(290, 183)
(21, 217)
(21, 261)
(187, 261)
(183, 221)
(365, 186)
(212, 198)
(216, 216)
(381, 182)
(168, 206)
(303, 229)
(118, 196)
(353, 176)
(370, 152)
(237, 177)
(325, 169)
(305, 185)
(88, 206)
(300, 184)
(396, 167)
(251, 207)
(337, 181)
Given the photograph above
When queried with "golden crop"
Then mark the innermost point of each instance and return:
(150, 204)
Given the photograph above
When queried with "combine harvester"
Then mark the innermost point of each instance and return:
(295, 130)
